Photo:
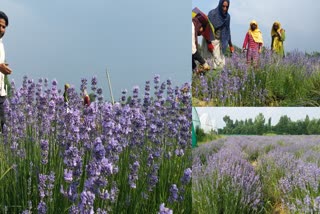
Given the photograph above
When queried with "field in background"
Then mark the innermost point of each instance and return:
(292, 81)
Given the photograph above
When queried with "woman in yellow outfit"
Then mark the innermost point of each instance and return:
(278, 35)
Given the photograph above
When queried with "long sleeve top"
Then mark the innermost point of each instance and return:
(250, 44)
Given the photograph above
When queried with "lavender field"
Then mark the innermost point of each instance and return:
(128, 157)
(257, 174)
(292, 81)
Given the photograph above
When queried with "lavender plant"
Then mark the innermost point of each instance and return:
(64, 157)
(226, 183)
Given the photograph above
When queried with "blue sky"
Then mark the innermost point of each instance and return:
(298, 18)
(216, 114)
(70, 40)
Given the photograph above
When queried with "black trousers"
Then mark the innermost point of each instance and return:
(2, 115)
(197, 57)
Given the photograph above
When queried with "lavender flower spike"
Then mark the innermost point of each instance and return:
(187, 176)
(164, 210)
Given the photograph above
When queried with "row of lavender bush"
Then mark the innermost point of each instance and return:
(292, 81)
(257, 174)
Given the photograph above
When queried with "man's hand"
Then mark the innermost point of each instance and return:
(4, 68)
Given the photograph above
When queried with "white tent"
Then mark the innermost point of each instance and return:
(207, 124)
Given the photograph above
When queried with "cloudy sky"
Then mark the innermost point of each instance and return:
(295, 113)
(299, 19)
(74, 39)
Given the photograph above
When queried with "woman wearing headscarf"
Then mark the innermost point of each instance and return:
(253, 43)
(278, 35)
(220, 19)
(199, 23)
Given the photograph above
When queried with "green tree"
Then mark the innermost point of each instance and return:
(313, 127)
(269, 127)
(229, 124)
(259, 127)
(282, 126)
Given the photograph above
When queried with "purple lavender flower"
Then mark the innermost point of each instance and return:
(68, 175)
(205, 90)
(42, 208)
(124, 96)
(186, 176)
(86, 205)
(174, 193)
(44, 145)
(98, 148)
(50, 185)
(107, 167)
(133, 177)
(42, 185)
(72, 157)
(156, 79)
(179, 152)
(74, 209)
(164, 210)
(94, 83)
(135, 101)
(99, 91)
(84, 83)
(153, 177)
(93, 169)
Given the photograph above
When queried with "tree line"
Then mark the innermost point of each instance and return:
(260, 126)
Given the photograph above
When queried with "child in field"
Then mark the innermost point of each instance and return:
(253, 43)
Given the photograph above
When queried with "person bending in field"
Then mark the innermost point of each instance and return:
(253, 44)
(220, 19)
(198, 25)
(4, 69)
(278, 35)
